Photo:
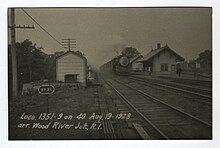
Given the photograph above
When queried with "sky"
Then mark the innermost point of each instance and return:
(100, 32)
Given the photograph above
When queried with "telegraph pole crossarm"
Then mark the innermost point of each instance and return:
(69, 43)
(23, 27)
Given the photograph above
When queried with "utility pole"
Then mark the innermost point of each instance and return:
(13, 55)
(69, 43)
(13, 52)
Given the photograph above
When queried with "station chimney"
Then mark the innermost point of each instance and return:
(158, 46)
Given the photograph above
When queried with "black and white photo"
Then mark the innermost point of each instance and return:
(110, 73)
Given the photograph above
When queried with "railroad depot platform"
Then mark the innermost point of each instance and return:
(183, 75)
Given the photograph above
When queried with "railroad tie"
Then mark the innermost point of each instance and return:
(144, 135)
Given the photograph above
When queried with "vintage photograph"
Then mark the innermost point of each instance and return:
(110, 73)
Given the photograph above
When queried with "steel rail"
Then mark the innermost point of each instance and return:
(174, 83)
(174, 88)
(106, 123)
(203, 100)
(154, 98)
(136, 110)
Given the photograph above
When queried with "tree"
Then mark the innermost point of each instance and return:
(30, 62)
(50, 61)
(130, 52)
(205, 59)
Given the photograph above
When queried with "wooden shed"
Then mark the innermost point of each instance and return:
(71, 67)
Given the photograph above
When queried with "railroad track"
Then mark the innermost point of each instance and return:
(204, 93)
(108, 129)
(189, 95)
(107, 126)
(162, 120)
(194, 105)
(181, 80)
(134, 123)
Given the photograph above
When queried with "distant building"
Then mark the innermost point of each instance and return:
(71, 68)
(135, 64)
(161, 60)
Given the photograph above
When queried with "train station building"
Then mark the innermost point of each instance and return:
(71, 67)
(161, 60)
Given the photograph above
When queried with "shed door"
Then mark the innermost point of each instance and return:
(71, 78)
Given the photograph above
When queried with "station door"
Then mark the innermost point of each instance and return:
(173, 68)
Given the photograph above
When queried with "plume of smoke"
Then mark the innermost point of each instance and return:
(119, 44)
(118, 48)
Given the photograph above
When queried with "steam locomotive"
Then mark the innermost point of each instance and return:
(120, 65)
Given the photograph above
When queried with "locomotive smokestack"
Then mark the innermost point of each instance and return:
(158, 46)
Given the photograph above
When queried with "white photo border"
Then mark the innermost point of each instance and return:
(4, 142)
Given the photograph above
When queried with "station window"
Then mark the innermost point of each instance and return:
(164, 67)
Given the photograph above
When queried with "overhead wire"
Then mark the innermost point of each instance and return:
(41, 26)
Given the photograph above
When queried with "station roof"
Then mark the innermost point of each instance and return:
(154, 52)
